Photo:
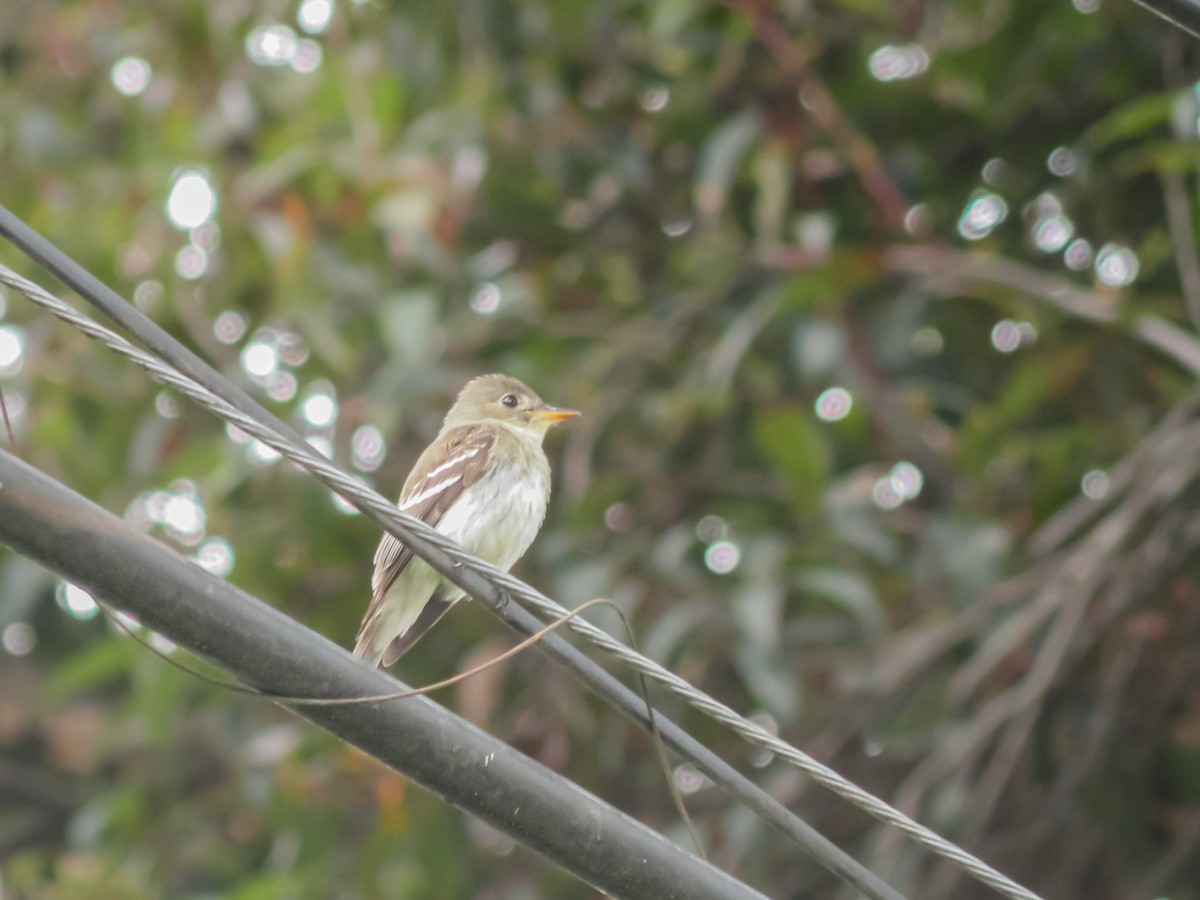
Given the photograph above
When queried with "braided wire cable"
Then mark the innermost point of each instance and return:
(1183, 14)
(481, 579)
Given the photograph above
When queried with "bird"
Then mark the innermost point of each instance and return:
(484, 483)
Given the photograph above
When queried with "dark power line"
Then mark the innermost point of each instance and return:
(583, 669)
(275, 654)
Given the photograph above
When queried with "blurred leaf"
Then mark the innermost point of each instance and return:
(1130, 120)
(758, 601)
(270, 887)
(720, 158)
(93, 664)
(789, 439)
(410, 323)
(669, 633)
(849, 591)
(974, 555)
(691, 215)
(772, 174)
(770, 681)
(22, 584)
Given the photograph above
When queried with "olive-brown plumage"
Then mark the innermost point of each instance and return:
(484, 482)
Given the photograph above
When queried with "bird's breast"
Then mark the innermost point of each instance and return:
(498, 516)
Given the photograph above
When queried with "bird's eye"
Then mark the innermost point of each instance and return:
(509, 400)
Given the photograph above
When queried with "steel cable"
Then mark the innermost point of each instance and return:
(476, 576)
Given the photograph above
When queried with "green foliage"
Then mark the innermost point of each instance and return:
(791, 443)
(686, 220)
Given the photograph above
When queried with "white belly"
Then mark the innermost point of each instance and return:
(498, 517)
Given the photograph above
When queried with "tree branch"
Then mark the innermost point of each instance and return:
(947, 271)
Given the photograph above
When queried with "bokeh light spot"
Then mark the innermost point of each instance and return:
(834, 404)
(896, 63)
(906, 480)
(689, 779)
(993, 170)
(319, 409)
(321, 444)
(293, 349)
(677, 227)
(884, 494)
(916, 220)
(655, 99)
(206, 236)
(1006, 336)
(282, 386)
(192, 200)
(1052, 233)
(236, 434)
(12, 349)
(711, 528)
(928, 342)
(1062, 162)
(982, 214)
(1095, 484)
(1116, 266)
(485, 299)
(271, 45)
(131, 75)
(314, 16)
(147, 295)
(18, 639)
(166, 405)
(184, 519)
(162, 644)
(230, 327)
(260, 359)
(722, 557)
(76, 601)
(761, 757)
(262, 454)
(307, 58)
(618, 517)
(191, 262)
(367, 448)
(1078, 255)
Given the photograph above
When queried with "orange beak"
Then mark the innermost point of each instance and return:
(554, 413)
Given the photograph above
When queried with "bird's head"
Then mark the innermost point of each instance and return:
(500, 398)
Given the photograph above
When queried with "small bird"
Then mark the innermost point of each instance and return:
(484, 482)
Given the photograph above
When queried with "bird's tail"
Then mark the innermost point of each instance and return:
(381, 642)
(430, 615)
(364, 650)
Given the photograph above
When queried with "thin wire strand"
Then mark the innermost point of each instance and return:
(739, 786)
(117, 619)
(419, 536)
(12, 440)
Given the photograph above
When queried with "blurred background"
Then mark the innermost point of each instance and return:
(883, 319)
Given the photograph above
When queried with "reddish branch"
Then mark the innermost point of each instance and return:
(793, 60)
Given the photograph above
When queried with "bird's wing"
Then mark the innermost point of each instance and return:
(448, 466)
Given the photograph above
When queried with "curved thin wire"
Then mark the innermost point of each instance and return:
(118, 620)
(421, 537)
(1183, 14)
